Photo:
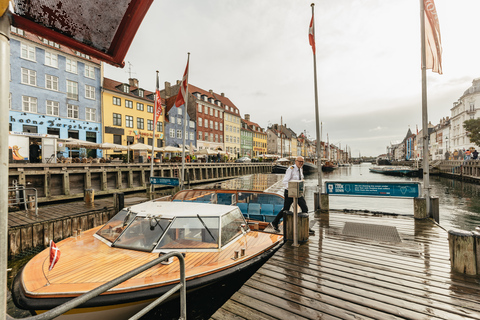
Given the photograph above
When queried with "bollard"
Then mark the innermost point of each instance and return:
(420, 208)
(303, 226)
(89, 196)
(316, 202)
(462, 253)
(31, 202)
(325, 203)
(118, 201)
(435, 208)
(476, 240)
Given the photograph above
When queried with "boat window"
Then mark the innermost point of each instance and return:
(191, 233)
(143, 233)
(231, 225)
(115, 226)
(262, 198)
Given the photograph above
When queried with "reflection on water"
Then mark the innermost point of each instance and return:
(459, 201)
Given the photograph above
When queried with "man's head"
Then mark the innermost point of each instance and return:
(299, 162)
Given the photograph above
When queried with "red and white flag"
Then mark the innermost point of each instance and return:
(54, 255)
(182, 93)
(433, 41)
(311, 35)
(158, 106)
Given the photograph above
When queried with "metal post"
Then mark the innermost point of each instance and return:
(295, 222)
(4, 110)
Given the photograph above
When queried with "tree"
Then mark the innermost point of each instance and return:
(472, 127)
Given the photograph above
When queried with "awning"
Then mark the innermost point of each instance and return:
(103, 29)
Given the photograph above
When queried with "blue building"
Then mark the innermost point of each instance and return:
(174, 125)
(54, 90)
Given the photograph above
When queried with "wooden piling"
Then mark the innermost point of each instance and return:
(462, 252)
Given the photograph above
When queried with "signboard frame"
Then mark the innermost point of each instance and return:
(164, 181)
(378, 189)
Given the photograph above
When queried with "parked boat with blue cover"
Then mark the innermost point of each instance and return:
(395, 170)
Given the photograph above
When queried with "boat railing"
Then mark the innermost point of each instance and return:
(18, 197)
(67, 306)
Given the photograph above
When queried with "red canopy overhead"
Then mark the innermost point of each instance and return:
(103, 29)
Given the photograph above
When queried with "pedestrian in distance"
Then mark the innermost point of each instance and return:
(475, 154)
(294, 172)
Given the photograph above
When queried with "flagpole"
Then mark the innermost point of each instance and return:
(182, 185)
(154, 131)
(317, 117)
(426, 167)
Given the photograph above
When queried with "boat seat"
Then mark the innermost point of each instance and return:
(253, 208)
(269, 218)
(243, 207)
(258, 217)
(267, 209)
(277, 208)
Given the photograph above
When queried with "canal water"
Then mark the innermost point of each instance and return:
(459, 209)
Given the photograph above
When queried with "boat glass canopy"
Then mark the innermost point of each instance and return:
(115, 226)
(143, 233)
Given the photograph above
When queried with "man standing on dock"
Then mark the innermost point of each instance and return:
(294, 172)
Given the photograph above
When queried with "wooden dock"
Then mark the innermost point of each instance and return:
(360, 266)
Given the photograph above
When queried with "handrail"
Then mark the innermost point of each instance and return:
(67, 306)
(22, 188)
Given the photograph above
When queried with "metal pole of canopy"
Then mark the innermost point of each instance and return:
(4, 110)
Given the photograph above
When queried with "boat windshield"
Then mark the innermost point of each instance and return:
(231, 226)
(142, 234)
(196, 232)
(115, 226)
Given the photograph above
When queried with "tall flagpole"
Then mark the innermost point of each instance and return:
(426, 167)
(182, 185)
(317, 114)
(154, 129)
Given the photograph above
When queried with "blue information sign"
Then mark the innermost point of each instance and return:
(165, 181)
(374, 189)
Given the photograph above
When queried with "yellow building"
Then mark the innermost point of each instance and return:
(259, 138)
(232, 122)
(293, 145)
(127, 114)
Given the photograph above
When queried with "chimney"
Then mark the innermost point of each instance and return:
(167, 89)
(222, 94)
(247, 117)
(133, 82)
(179, 82)
(211, 91)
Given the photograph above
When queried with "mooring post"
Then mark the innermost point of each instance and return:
(324, 203)
(89, 196)
(435, 208)
(462, 254)
(118, 201)
(420, 208)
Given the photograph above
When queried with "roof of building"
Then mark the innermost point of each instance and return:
(113, 85)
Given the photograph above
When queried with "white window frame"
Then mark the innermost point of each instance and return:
(172, 133)
(27, 52)
(53, 108)
(140, 123)
(199, 108)
(89, 92)
(72, 111)
(179, 134)
(221, 126)
(216, 113)
(128, 104)
(29, 77)
(192, 124)
(114, 99)
(128, 121)
(89, 71)
(216, 125)
(71, 65)
(200, 122)
(179, 120)
(90, 114)
(140, 106)
(211, 111)
(51, 59)
(200, 135)
(53, 80)
(72, 90)
(29, 104)
(192, 135)
(179, 111)
(211, 124)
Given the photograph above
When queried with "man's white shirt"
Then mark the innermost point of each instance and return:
(293, 173)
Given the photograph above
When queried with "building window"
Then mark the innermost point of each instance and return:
(199, 135)
(72, 90)
(216, 125)
(90, 114)
(179, 111)
(172, 133)
(17, 31)
(221, 126)
(211, 111)
(140, 123)
(51, 82)
(211, 124)
(90, 72)
(211, 137)
(117, 139)
(89, 92)
(216, 137)
(179, 120)
(149, 109)
(160, 126)
(129, 121)
(71, 65)
(29, 104)
(150, 141)
(52, 108)
(117, 101)
(140, 93)
(179, 134)
(200, 122)
(139, 106)
(51, 59)
(27, 52)
(72, 111)
(192, 124)
(192, 135)
(216, 113)
(129, 104)
(29, 77)
(117, 119)
(199, 107)
(149, 125)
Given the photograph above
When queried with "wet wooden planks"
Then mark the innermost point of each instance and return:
(334, 276)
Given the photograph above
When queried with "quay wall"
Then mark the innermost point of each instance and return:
(465, 170)
(55, 182)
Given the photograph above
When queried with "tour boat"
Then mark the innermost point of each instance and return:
(210, 236)
(258, 207)
(395, 170)
(329, 166)
(309, 168)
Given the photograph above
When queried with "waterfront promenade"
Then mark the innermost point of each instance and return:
(360, 266)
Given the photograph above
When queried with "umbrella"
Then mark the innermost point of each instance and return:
(140, 146)
(207, 152)
(112, 146)
(170, 149)
(71, 142)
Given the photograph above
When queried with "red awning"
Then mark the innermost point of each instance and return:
(103, 29)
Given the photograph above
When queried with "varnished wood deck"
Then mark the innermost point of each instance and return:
(334, 276)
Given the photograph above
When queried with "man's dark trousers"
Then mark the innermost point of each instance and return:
(286, 207)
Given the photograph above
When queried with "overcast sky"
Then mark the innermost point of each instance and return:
(257, 53)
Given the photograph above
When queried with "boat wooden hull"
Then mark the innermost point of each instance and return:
(135, 293)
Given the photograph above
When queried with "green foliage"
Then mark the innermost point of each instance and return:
(472, 127)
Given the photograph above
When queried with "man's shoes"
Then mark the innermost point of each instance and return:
(311, 232)
(275, 227)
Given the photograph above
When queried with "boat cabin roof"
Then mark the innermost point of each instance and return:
(170, 210)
